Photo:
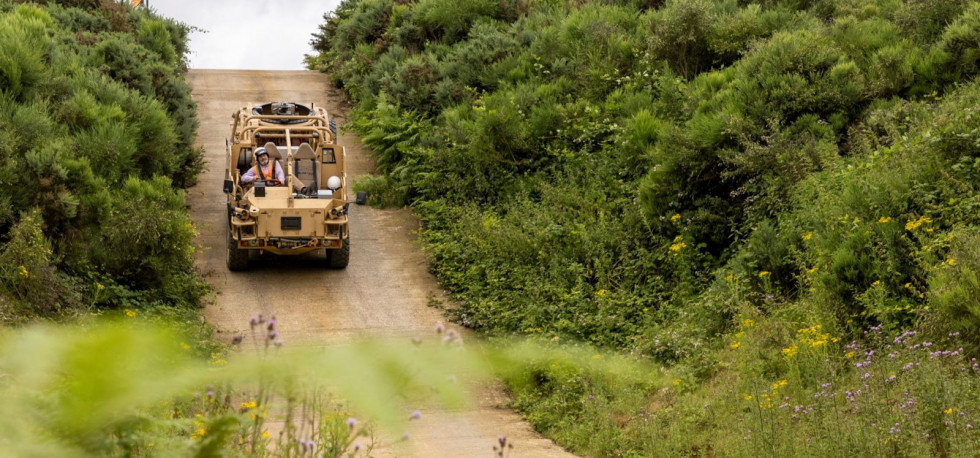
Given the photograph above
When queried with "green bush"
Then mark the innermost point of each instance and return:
(27, 271)
(146, 241)
(650, 175)
(23, 45)
(86, 110)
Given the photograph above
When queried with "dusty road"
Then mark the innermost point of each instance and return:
(384, 291)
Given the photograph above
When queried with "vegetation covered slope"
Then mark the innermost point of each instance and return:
(755, 194)
(96, 134)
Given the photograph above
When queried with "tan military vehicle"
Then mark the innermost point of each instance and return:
(298, 206)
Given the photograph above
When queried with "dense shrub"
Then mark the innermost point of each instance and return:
(97, 127)
(646, 175)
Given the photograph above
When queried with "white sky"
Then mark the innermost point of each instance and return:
(248, 34)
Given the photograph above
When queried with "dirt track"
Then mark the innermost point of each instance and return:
(384, 290)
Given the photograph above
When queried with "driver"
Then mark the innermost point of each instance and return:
(265, 169)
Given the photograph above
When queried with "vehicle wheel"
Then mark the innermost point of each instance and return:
(237, 259)
(338, 259)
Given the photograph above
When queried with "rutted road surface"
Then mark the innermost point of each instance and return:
(383, 292)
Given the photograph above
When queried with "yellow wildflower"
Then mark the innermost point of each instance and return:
(764, 274)
(601, 292)
(130, 313)
(849, 354)
(876, 283)
(949, 411)
(913, 225)
(811, 271)
(807, 236)
(730, 278)
(22, 271)
(779, 384)
(265, 434)
(817, 343)
(676, 217)
(950, 262)
(748, 323)
(247, 405)
(885, 219)
(747, 397)
(790, 351)
(99, 286)
(676, 382)
(596, 356)
(735, 345)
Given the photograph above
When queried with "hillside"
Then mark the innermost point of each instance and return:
(776, 201)
(96, 135)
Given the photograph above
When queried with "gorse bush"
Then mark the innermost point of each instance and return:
(639, 174)
(97, 128)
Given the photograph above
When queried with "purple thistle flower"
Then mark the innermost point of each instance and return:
(502, 440)
(416, 415)
(253, 322)
(406, 436)
(273, 335)
(272, 323)
(357, 446)
(278, 342)
(440, 327)
(351, 422)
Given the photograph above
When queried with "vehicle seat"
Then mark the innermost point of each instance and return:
(274, 152)
(305, 165)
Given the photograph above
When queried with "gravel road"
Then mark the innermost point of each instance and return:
(383, 292)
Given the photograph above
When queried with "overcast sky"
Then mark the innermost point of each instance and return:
(248, 34)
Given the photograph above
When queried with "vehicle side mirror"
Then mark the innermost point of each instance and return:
(228, 187)
(361, 198)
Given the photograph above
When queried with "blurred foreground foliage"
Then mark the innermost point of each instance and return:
(96, 141)
(638, 175)
(128, 387)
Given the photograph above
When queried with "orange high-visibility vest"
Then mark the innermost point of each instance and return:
(272, 171)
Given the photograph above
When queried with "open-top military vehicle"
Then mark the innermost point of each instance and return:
(308, 210)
